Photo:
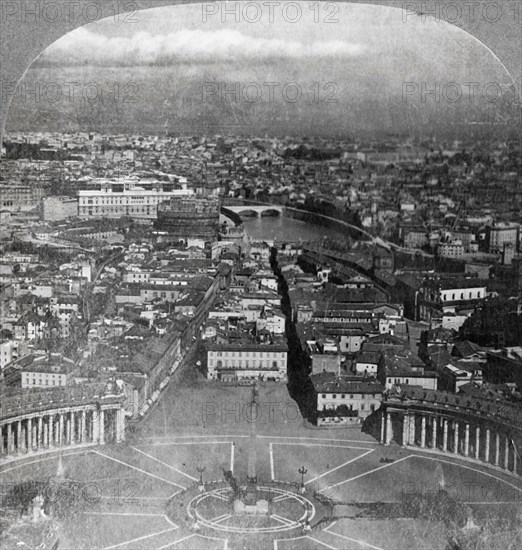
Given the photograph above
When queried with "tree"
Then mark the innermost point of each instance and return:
(493, 321)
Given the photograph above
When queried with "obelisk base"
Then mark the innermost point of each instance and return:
(260, 508)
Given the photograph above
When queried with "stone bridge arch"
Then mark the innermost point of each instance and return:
(28, 27)
(257, 211)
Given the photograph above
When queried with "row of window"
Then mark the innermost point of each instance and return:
(41, 383)
(351, 396)
(247, 354)
(33, 375)
(122, 201)
(156, 294)
(470, 297)
(247, 364)
(115, 209)
(361, 407)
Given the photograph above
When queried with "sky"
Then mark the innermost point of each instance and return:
(364, 54)
(186, 34)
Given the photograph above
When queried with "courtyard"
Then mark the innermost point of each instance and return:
(199, 430)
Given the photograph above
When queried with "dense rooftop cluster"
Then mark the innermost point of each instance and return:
(119, 258)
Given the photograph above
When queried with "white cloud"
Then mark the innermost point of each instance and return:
(85, 46)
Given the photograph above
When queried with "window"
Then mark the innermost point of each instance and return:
(343, 396)
(324, 396)
(334, 396)
(274, 364)
(351, 396)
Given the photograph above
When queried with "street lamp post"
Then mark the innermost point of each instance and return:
(302, 470)
(201, 485)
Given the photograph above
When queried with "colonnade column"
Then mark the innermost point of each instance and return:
(456, 437)
(10, 439)
(506, 454)
(18, 436)
(39, 433)
(477, 442)
(434, 426)
(101, 428)
(45, 441)
(24, 447)
(82, 427)
(60, 428)
(405, 429)
(88, 426)
(423, 431)
(515, 457)
(34, 430)
(388, 429)
(95, 426)
(3, 446)
(74, 434)
(466, 440)
(497, 449)
(382, 427)
(25, 438)
(120, 425)
(486, 458)
(51, 431)
(445, 436)
(68, 429)
(30, 434)
(412, 430)
(117, 425)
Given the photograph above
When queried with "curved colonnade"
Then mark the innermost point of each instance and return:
(63, 417)
(480, 429)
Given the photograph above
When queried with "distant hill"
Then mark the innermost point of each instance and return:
(226, 98)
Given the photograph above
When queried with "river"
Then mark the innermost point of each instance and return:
(286, 229)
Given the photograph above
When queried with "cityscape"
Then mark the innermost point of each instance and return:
(275, 324)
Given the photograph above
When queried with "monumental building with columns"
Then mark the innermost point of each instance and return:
(61, 417)
(476, 428)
